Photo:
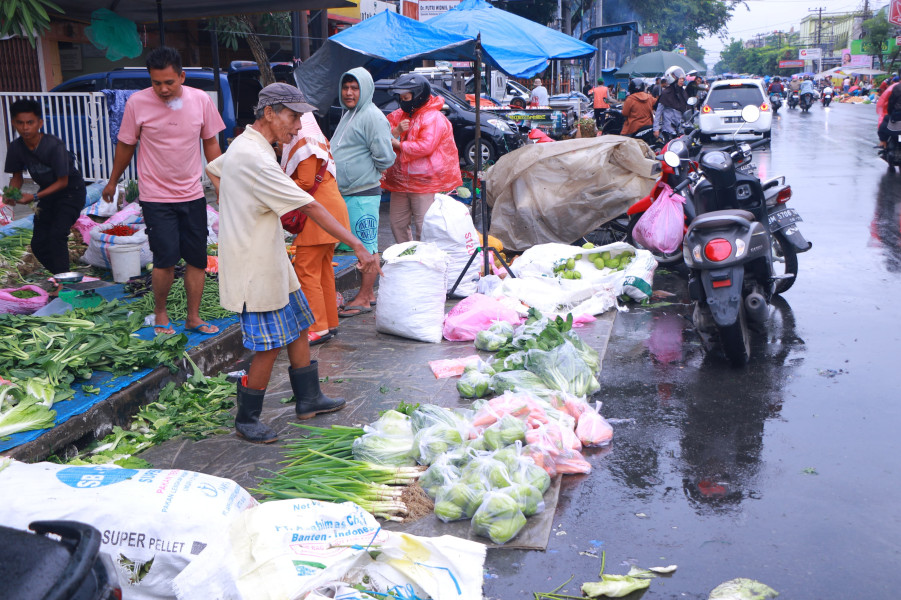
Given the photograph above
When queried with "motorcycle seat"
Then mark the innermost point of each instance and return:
(721, 218)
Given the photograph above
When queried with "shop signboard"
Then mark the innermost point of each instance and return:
(791, 64)
(433, 8)
(648, 40)
(810, 53)
(894, 12)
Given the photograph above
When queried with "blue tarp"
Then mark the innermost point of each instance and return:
(512, 44)
(515, 45)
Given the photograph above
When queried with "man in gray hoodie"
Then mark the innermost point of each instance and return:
(362, 150)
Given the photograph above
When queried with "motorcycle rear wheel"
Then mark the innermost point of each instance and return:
(785, 254)
(736, 340)
(663, 259)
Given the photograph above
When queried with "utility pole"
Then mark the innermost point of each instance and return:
(819, 30)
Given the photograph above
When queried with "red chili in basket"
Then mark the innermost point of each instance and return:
(120, 230)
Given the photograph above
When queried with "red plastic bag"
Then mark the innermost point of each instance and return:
(662, 226)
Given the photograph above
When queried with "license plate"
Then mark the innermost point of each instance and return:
(783, 218)
(733, 120)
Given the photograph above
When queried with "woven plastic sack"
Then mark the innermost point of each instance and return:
(93, 192)
(412, 293)
(662, 226)
(449, 225)
(129, 215)
(22, 306)
(97, 253)
(6, 215)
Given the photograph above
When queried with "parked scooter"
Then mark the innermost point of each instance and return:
(826, 98)
(794, 98)
(743, 231)
(776, 102)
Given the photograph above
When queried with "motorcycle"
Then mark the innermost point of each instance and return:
(776, 101)
(892, 151)
(827, 97)
(612, 122)
(806, 101)
(793, 99)
(733, 248)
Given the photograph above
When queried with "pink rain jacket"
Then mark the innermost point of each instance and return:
(427, 161)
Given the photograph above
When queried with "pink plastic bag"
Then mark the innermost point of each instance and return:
(661, 227)
(84, 224)
(474, 314)
(22, 306)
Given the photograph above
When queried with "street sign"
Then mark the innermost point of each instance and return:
(790, 64)
(894, 13)
(898, 41)
(648, 40)
(810, 53)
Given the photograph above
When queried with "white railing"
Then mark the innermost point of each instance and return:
(80, 120)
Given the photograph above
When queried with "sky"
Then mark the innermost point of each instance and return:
(766, 16)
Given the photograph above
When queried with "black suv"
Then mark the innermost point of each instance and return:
(500, 135)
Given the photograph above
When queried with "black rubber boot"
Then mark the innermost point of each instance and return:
(247, 421)
(310, 401)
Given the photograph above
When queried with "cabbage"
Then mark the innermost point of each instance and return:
(528, 499)
(562, 368)
(458, 500)
(498, 518)
(614, 586)
(528, 473)
(742, 589)
(27, 415)
(434, 441)
(508, 430)
(473, 384)
(393, 423)
(521, 381)
(427, 415)
(437, 476)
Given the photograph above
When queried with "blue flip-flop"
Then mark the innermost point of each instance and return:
(167, 325)
(197, 329)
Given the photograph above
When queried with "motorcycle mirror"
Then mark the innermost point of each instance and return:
(750, 113)
(692, 101)
(672, 159)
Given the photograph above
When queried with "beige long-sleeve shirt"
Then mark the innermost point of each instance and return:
(254, 269)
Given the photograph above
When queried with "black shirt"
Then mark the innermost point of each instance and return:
(46, 163)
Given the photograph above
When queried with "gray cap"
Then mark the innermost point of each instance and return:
(288, 95)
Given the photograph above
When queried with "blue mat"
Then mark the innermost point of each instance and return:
(345, 261)
(104, 380)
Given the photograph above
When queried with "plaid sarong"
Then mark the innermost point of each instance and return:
(277, 328)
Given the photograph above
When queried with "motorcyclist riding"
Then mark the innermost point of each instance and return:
(776, 87)
(807, 89)
(672, 103)
(638, 109)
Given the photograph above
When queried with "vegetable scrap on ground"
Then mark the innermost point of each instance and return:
(491, 463)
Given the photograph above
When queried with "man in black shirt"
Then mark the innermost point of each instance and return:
(61, 193)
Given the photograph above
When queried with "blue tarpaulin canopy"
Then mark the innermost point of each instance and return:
(377, 43)
(515, 45)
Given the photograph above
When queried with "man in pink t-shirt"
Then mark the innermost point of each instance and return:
(168, 119)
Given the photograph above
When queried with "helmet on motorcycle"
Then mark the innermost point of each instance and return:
(673, 74)
(636, 85)
(777, 79)
(415, 84)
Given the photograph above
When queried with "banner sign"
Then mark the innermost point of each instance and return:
(810, 53)
(649, 40)
(791, 64)
(433, 8)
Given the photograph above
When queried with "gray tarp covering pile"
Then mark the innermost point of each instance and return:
(558, 192)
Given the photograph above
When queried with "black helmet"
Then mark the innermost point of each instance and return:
(415, 84)
(636, 85)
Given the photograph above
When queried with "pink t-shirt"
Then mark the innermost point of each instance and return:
(169, 156)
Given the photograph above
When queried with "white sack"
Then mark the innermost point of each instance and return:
(449, 226)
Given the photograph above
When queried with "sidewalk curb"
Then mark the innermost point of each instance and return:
(211, 356)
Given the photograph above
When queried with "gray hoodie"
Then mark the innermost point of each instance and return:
(361, 144)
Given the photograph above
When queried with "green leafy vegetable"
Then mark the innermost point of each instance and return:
(498, 518)
(27, 415)
(12, 193)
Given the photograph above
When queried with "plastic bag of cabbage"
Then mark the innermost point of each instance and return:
(495, 337)
(562, 368)
(388, 441)
(474, 384)
(498, 518)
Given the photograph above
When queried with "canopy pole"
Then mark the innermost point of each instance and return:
(159, 19)
(217, 84)
(478, 148)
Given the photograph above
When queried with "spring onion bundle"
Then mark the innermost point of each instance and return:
(177, 303)
(320, 466)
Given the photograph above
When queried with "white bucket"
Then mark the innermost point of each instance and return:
(125, 261)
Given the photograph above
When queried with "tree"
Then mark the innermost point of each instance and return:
(876, 32)
(694, 51)
(735, 58)
(27, 18)
(678, 21)
(232, 29)
(540, 11)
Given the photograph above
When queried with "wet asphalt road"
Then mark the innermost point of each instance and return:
(785, 471)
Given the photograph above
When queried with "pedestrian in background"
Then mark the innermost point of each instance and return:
(256, 278)
(602, 100)
(169, 119)
(539, 95)
(307, 160)
(61, 192)
(427, 160)
(362, 149)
